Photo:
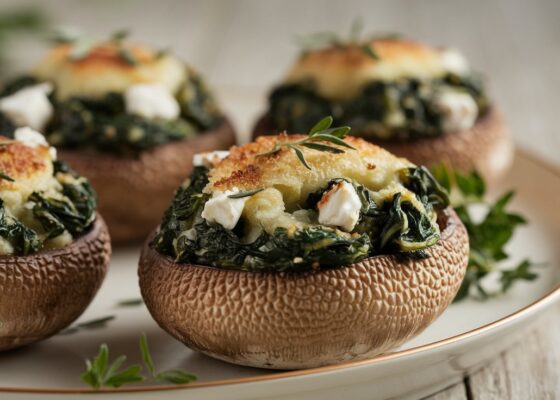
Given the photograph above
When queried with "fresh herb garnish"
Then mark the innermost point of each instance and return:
(6, 177)
(100, 373)
(320, 40)
(248, 193)
(130, 302)
(487, 237)
(175, 376)
(96, 323)
(83, 45)
(320, 132)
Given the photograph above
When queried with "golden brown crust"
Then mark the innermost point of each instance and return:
(22, 163)
(339, 72)
(487, 146)
(43, 293)
(249, 167)
(303, 320)
(133, 193)
(104, 70)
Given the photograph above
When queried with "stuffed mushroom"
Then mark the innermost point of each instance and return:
(126, 116)
(297, 251)
(54, 247)
(417, 101)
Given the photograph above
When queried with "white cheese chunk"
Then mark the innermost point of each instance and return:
(340, 206)
(458, 111)
(29, 106)
(455, 62)
(210, 158)
(223, 209)
(32, 138)
(151, 101)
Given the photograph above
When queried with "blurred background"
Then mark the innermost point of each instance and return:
(244, 46)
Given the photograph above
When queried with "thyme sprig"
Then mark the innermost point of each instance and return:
(101, 373)
(247, 193)
(6, 177)
(83, 45)
(320, 132)
(326, 39)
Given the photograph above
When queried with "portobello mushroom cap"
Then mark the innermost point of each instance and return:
(42, 293)
(304, 320)
(486, 147)
(339, 73)
(132, 192)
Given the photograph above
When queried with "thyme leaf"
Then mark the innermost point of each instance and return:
(96, 323)
(6, 177)
(175, 376)
(320, 132)
(130, 302)
(248, 193)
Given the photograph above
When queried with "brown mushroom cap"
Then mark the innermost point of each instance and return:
(486, 147)
(133, 193)
(303, 320)
(43, 293)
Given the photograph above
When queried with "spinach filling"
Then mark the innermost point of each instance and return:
(403, 109)
(103, 123)
(73, 210)
(394, 227)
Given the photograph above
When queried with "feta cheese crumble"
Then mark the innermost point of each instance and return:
(458, 111)
(29, 106)
(455, 62)
(223, 209)
(340, 206)
(210, 158)
(32, 138)
(151, 101)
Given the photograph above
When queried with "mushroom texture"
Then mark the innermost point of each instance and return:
(285, 291)
(420, 102)
(126, 116)
(54, 248)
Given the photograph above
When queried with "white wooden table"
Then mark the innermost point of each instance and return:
(245, 46)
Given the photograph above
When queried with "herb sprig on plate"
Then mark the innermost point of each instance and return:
(488, 237)
(321, 132)
(100, 372)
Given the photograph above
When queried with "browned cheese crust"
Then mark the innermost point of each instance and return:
(133, 193)
(43, 293)
(303, 320)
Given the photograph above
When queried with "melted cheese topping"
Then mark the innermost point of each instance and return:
(287, 183)
(103, 70)
(339, 73)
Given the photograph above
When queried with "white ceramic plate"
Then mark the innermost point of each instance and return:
(461, 340)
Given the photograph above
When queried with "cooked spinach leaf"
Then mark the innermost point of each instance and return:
(396, 226)
(72, 210)
(103, 124)
(401, 109)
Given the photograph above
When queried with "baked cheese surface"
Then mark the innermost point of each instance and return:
(340, 72)
(104, 70)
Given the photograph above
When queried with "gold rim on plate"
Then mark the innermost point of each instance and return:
(544, 301)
